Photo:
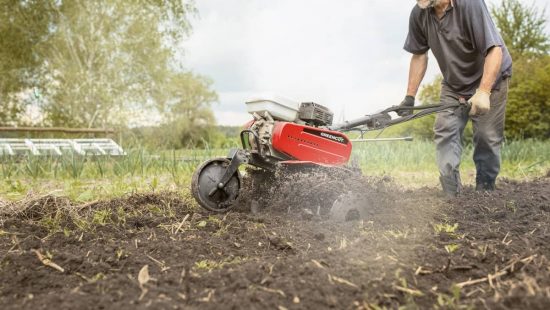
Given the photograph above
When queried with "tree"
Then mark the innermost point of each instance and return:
(23, 25)
(522, 27)
(186, 114)
(103, 63)
(523, 30)
(107, 61)
(528, 110)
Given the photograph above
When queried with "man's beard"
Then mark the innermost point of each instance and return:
(424, 4)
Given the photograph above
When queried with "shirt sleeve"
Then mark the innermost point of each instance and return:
(483, 32)
(416, 42)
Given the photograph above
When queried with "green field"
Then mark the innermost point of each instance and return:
(411, 164)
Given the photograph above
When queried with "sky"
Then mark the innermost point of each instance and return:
(347, 55)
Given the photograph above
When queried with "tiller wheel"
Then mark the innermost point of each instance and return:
(207, 190)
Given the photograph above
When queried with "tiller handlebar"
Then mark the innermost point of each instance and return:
(383, 119)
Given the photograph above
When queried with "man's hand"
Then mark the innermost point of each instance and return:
(480, 102)
(407, 102)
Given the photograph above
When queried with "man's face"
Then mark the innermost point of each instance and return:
(424, 4)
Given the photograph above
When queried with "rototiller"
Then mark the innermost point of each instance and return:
(286, 134)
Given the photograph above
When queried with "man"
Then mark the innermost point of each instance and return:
(476, 66)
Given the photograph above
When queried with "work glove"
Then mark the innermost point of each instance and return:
(407, 102)
(480, 102)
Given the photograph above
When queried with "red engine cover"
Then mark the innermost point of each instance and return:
(306, 143)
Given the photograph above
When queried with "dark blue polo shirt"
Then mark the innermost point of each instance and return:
(460, 41)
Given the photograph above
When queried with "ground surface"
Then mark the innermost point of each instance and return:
(159, 251)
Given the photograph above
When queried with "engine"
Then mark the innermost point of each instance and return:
(315, 114)
(284, 109)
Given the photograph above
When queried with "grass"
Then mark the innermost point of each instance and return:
(86, 179)
(413, 163)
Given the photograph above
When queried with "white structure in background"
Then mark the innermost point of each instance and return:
(57, 147)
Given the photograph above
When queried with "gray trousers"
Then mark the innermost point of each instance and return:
(488, 136)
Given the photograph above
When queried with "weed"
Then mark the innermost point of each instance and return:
(511, 205)
(120, 253)
(100, 165)
(53, 222)
(101, 217)
(223, 228)
(9, 167)
(121, 215)
(85, 196)
(214, 219)
(156, 210)
(450, 248)
(94, 279)
(398, 234)
(73, 164)
(201, 224)
(82, 224)
(154, 184)
(445, 228)
(15, 186)
(209, 265)
(35, 166)
(452, 301)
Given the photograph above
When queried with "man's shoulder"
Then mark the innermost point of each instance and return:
(418, 13)
(468, 4)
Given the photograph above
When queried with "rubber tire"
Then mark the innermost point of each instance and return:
(204, 201)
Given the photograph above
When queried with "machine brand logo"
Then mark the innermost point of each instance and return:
(332, 137)
(326, 135)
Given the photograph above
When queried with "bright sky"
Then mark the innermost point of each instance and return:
(346, 55)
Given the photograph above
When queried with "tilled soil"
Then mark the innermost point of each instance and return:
(160, 251)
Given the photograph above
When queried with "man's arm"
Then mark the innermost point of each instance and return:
(417, 70)
(481, 101)
(491, 69)
(416, 44)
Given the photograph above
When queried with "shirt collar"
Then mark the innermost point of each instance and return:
(449, 8)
